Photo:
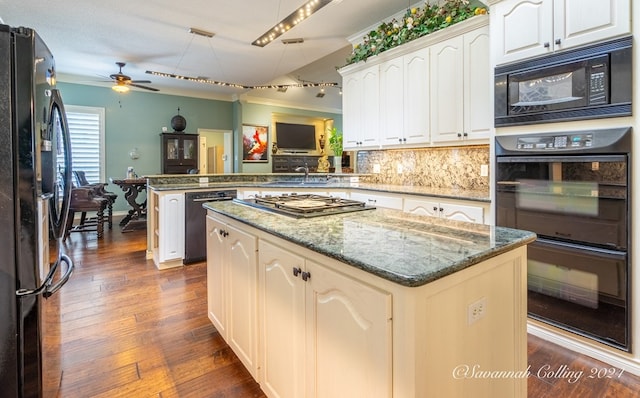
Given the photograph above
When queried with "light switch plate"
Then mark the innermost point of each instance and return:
(484, 170)
(376, 168)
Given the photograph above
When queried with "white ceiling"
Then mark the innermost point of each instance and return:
(88, 37)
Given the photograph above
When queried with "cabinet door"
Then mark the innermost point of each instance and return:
(348, 337)
(351, 110)
(579, 22)
(282, 326)
(171, 239)
(240, 262)
(421, 207)
(189, 148)
(370, 118)
(388, 202)
(391, 102)
(216, 276)
(523, 29)
(416, 94)
(478, 118)
(447, 90)
(458, 212)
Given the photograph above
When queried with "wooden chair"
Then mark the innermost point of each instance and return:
(83, 200)
(99, 191)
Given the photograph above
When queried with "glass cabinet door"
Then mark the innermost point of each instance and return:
(172, 148)
(189, 148)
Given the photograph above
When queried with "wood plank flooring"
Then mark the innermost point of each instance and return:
(130, 330)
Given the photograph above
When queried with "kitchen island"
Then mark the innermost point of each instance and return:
(375, 303)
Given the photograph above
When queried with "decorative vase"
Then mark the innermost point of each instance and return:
(337, 164)
(274, 148)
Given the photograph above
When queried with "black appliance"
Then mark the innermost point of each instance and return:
(305, 205)
(195, 243)
(585, 83)
(33, 134)
(573, 190)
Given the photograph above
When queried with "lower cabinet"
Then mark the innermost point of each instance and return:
(232, 278)
(450, 211)
(377, 200)
(338, 328)
(167, 242)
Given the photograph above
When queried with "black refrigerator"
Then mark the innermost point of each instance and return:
(35, 187)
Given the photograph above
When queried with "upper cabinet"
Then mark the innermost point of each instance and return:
(435, 89)
(527, 28)
(360, 101)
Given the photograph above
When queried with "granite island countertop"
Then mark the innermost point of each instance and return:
(403, 248)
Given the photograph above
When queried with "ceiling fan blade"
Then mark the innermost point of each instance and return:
(143, 87)
(141, 81)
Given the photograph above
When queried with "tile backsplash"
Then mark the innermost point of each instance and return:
(449, 167)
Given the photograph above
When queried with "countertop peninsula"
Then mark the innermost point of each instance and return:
(407, 249)
(295, 181)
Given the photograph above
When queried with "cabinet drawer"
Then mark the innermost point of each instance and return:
(384, 201)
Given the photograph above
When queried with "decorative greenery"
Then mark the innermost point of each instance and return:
(415, 23)
(335, 141)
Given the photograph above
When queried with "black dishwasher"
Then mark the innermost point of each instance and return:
(195, 234)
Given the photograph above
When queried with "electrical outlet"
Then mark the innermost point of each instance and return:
(484, 170)
(476, 311)
(399, 167)
(376, 168)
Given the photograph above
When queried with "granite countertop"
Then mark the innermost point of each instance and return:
(403, 248)
(316, 182)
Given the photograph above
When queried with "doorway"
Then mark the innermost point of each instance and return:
(216, 151)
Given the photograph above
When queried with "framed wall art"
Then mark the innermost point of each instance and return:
(255, 143)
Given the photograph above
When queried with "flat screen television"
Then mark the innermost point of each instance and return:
(296, 137)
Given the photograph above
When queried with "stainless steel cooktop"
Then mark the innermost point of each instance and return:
(305, 205)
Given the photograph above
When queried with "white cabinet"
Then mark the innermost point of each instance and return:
(392, 102)
(377, 200)
(360, 107)
(404, 100)
(232, 276)
(282, 329)
(416, 97)
(349, 344)
(323, 334)
(443, 209)
(527, 28)
(167, 225)
(460, 89)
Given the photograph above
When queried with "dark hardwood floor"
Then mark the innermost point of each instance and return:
(130, 330)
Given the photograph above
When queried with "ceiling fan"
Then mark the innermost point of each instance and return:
(122, 81)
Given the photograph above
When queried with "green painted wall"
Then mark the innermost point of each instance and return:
(135, 120)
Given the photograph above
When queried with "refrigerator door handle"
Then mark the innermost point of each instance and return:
(48, 288)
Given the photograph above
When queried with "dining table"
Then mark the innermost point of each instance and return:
(136, 217)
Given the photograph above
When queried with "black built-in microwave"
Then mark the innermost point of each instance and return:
(583, 83)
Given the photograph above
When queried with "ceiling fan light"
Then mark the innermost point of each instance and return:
(120, 88)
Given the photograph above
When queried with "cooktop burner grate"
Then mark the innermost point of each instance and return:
(306, 205)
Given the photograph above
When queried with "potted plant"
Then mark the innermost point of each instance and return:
(335, 143)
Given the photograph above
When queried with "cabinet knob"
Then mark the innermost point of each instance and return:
(435, 208)
(459, 135)
(558, 41)
(465, 134)
(404, 140)
(441, 209)
(400, 140)
(296, 271)
(546, 44)
(306, 276)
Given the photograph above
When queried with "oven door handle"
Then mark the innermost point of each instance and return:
(213, 199)
(581, 248)
(531, 157)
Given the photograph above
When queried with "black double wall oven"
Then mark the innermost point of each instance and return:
(573, 190)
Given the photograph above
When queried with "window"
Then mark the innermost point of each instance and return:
(86, 128)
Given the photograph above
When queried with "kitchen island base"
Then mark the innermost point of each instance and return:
(307, 325)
